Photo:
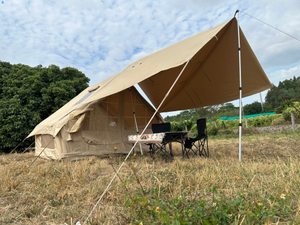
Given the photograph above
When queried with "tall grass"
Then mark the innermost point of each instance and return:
(58, 192)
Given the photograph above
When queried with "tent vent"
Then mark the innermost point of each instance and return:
(93, 89)
(85, 97)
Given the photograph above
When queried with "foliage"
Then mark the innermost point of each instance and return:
(212, 131)
(214, 207)
(287, 112)
(253, 108)
(289, 88)
(225, 131)
(28, 95)
(259, 121)
(227, 109)
(180, 126)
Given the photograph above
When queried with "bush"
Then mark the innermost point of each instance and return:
(225, 132)
(180, 126)
(212, 131)
(193, 132)
(281, 122)
(287, 112)
(251, 130)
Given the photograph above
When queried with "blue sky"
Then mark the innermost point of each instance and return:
(100, 38)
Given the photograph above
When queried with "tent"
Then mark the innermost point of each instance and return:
(209, 66)
(94, 128)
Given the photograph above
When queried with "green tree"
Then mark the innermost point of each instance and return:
(253, 108)
(29, 95)
(290, 89)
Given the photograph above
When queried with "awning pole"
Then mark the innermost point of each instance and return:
(137, 129)
(262, 104)
(240, 78)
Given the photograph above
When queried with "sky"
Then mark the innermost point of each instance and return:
(101, 38)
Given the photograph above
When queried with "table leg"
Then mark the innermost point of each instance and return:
(165, 147)
(133, 149)
(151, 150)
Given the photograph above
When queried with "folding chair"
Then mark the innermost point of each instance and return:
(161, 128)
(197, 145)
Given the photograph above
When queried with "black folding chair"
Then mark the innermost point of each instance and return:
(161, 128)
(197, 145)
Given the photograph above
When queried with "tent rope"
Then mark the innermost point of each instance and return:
(24, 150)
(270, 25)
(40, 153)
(17, 146)
(137, 140)
(285, 99)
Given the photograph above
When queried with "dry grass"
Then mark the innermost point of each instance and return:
(57, 192)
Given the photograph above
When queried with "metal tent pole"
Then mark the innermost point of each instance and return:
(262, 104)
(136, 126)
(240, 89)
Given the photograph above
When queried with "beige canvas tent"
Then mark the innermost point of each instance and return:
(94, 128)
(210, 77)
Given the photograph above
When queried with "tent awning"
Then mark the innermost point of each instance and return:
(210, 78)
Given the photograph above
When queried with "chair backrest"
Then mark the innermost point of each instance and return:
(161, 127)
(201, 126)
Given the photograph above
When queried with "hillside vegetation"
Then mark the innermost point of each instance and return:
(289, 89)
(263, 189)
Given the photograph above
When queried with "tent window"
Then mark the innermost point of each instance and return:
(85, 97)
(47, 141)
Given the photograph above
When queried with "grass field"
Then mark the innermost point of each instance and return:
(263, 189)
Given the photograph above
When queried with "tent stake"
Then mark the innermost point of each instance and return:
(240, 78)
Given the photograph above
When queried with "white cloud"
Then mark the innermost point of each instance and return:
(102, 38)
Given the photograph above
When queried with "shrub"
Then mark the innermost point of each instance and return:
(287, 112)
(250, 130)
(225, 131)
(193, 132)
(212, 131)
(281, 122)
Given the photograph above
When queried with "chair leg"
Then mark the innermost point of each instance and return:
(204, 151)
(171, 150)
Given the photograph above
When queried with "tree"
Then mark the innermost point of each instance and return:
(253, 108)
(289, 88)
(29, 95)
(228, 107)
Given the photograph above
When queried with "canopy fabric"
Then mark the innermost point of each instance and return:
(211, 76)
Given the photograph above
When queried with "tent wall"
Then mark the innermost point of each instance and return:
(46, 144)
(101, 130)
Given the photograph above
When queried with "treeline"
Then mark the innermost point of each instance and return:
(28, 95)
(290, 89)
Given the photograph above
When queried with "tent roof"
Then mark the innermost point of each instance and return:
(211, 76)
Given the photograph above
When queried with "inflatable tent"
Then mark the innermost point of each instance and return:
(99, 127)
(209, 74)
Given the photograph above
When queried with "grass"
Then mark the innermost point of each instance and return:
(58, 192)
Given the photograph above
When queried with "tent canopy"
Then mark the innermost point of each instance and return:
(211, 76)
